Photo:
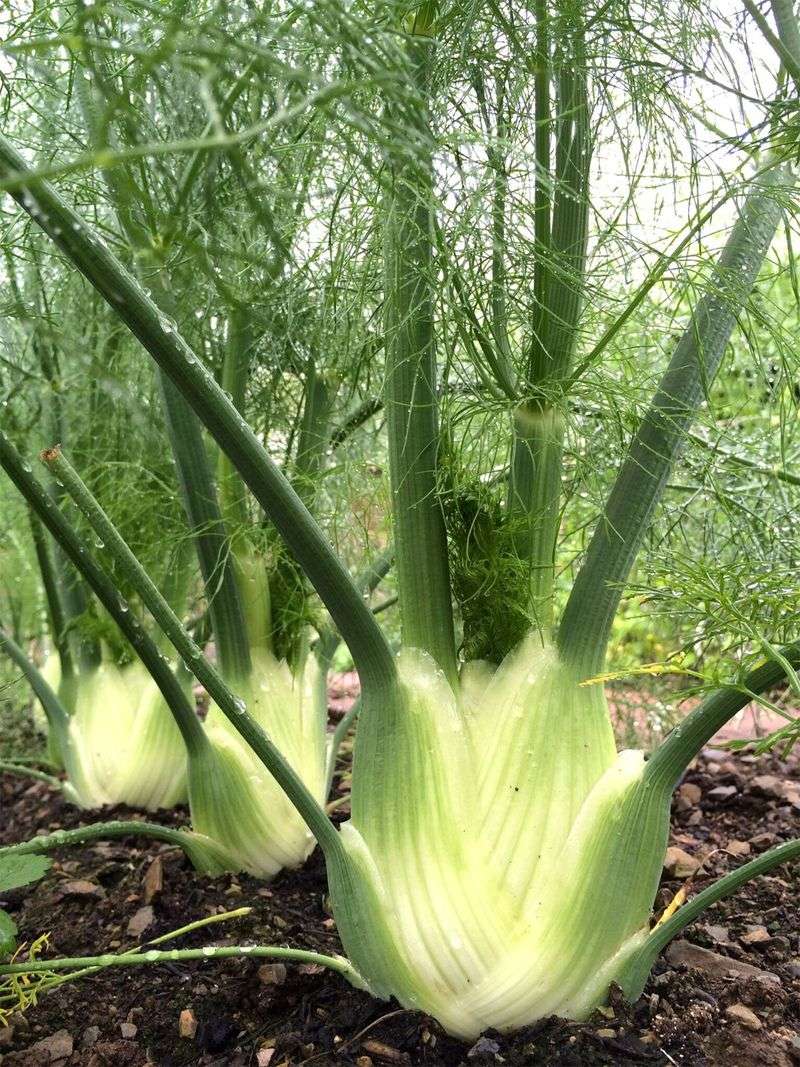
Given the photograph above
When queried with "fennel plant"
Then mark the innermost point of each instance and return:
(502, 859)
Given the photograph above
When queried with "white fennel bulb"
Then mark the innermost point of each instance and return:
(235, 800)
(502, 858)
(124, 746)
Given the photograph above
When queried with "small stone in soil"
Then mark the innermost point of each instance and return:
(187, 1024)
(90, 1036)
(755, 935)
(384, 1052)
(79, 888)
(738, 848)
(484, 1046)
(153, 880)
(703, 959)
(128, 1030)
(56, 1048)
(740, 1013)
(679, 864)
(272, 974)
(690, 793)
(722, 792)
(719, 934)
(141, 921)
(767, 785)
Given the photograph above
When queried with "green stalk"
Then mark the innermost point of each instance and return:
(236, 362)
(192, 656)
(159, 336)
(175, 955)
(213, 549)
(364, 411)
(55, 611)
(534, 493)
(674, 755)
(633, 979)
(248, 567)
(789, 35)
(99, 831)
(314, 436)
(205, 855)
(423, 575)
(78, 554)
(590, 610)
(197, 486)
(57, 715)
(9, 767)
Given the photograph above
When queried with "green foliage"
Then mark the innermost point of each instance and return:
(16, 871)
(490, 581)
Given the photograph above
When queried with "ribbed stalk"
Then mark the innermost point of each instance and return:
(632, 980)
(206, 855)
(23, 771)
(423, 575)
(175, 955)
(534, 493)
(213, 548)
(304, 538)
(193, 658)
(674, 755)
(587, 620)
(194, 474)
(535, 481)
(55, 611)
(235, 376)
(57, 715)
(76, 551)
(314, 436)
(789, 34)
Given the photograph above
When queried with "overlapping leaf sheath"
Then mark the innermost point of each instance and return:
(234, 798)
(123, 744)
(501, 881)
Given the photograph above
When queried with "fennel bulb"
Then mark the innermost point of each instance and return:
(235, 801)
(123, 744)
(502, 859)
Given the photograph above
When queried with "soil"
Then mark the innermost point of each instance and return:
(246, 1014)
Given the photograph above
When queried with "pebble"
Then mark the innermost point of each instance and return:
(141, 921)
(187, 1023)
(703, 959)
(755, 935)
(738, 848)
(744, 1015)
(90, 1036)
(722, 792)
(767, 785)
(690, 793)
(128, 1030)
(55, 1049)
(80, 888)
(272, 974)
(719, 934)
(153, 880)
(679, 864)
(484, 1046)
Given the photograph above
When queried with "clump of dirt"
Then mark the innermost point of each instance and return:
(728, 993)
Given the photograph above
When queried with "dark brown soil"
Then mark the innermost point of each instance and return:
(247, 1016)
